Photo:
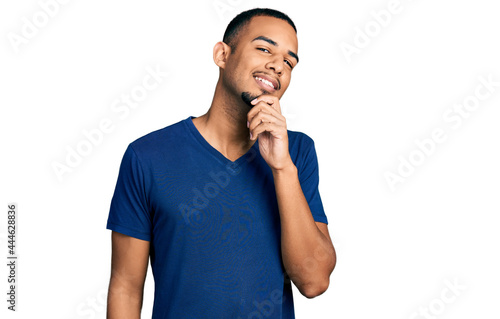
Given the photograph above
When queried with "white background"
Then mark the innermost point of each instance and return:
(396, 248)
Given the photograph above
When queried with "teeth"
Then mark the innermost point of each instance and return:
(265, 82)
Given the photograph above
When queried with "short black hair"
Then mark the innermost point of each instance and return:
(241, 21)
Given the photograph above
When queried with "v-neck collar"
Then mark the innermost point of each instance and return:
(212, 150)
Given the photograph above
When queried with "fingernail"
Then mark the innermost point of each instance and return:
(254, 101)
(248, 124)
(250, 135)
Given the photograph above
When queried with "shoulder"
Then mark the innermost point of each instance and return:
(299, 141)
(151, 143)
(301, 149)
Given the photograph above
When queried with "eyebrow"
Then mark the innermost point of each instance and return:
(272, 42)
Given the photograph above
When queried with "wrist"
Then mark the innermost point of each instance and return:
(288, 169)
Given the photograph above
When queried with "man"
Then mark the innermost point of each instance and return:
(226, 205)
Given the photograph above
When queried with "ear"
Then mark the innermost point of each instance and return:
(221, 52)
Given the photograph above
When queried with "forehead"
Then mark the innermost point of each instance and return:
(276, 29)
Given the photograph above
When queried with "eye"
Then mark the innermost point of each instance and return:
(289, 64)
(263, 50)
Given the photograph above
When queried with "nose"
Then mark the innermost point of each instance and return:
(276, 64)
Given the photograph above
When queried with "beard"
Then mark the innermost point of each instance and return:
(248, 97)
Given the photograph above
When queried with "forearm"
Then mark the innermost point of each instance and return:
(308, 255)
(123, 302)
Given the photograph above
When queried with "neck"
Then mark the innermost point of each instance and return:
(224, 126)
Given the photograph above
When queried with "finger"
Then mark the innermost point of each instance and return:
(269, 99)
(275, 130)
(265, 118)
(265, 108)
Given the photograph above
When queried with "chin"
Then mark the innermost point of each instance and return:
(248, 97)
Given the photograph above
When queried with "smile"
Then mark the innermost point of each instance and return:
(265, 84)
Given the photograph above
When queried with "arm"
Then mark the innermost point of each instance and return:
(307, 250)
(129, 264)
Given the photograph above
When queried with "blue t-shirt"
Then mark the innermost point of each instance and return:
(213, 224)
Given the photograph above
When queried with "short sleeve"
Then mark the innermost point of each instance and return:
(129, 213)
(309, 181)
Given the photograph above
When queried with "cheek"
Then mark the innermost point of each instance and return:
(251, 61)
(285, 82)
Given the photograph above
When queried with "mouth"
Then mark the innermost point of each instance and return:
(267, 83)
